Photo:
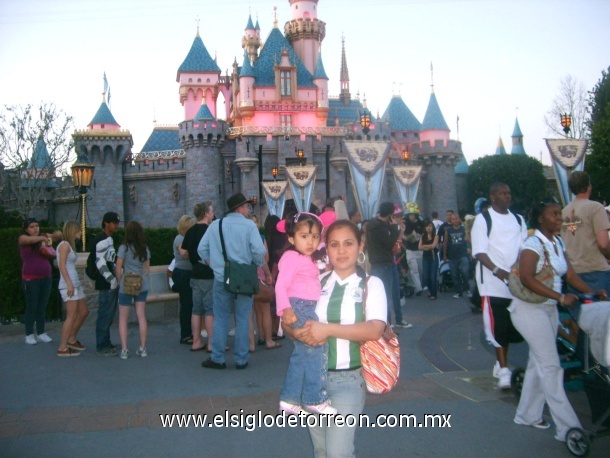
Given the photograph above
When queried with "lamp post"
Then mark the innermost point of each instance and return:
(566, 122)
(405, 154)
(274, 172)
(82, 176)
(300, 155)
(365, 121)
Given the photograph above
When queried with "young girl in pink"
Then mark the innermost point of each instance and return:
(297, 291)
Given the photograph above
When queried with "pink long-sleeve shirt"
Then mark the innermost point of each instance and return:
(298, 277)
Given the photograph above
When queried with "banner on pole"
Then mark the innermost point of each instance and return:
(276, 196)
(407, 178)
(567, 156)
(302, 180)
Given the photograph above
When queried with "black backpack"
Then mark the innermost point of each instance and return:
(91, 269)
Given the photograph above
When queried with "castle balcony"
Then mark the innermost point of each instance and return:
(285, 131)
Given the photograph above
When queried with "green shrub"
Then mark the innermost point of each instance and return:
(12, 304)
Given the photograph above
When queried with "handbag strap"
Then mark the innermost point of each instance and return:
(222, 240)
(547, 258)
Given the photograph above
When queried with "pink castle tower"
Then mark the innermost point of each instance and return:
(198, 76)
(305, 31)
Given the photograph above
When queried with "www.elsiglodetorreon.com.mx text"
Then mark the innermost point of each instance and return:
(252, 421)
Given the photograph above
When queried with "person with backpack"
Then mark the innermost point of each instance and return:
(497, 235)
(102, 257)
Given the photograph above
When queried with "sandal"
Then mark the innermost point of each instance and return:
(273, 347)
(187, 340)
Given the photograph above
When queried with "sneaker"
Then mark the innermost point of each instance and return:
(231, 332)
(291, 409)
(76, 345)
(204, 333)
(110, 351)
(457, 296)
(44, 337)
(404, 324)
(31, 339)
(403, 301)
(504, 378)
(425, 288)
(496, 370)
(468, 294)
(142, 352)
(209, 364)
(68, 352)
(324, 408)
(124, 354)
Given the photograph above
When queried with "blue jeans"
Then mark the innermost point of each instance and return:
(460, 272)
(430, 268)
(595, 280)
(305, 382)
(107, 303)
(37, 293)
(182, 284)
(396, 295)
(223, 303)
(347, 392)
(386, 275)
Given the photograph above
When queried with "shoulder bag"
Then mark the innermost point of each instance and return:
(239, 278)
(132, 284)
(545, 276)
(380, 358)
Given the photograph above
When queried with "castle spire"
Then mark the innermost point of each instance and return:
(432, 77)
(345, 95)
(517, 140)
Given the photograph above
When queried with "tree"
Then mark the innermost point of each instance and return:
(522, 174)
(24, 130)
(572, 99)
(597, 163)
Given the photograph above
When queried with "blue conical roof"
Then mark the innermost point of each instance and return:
(246, 68)
(434, 120)
(103, 116)
(400, 116)
(257, 27)
(40, 156)
(198, 59)
(500, 148)
(320, 73)
(163, 139)
(462, 166)
(249, 25)
(517, 129)
(204, 113)
(271, 54)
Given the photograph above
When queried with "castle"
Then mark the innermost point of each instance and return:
(276, 102)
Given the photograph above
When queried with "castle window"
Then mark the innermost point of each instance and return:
(286, 120)
(285, 82)
(190, 80)
(199, 80)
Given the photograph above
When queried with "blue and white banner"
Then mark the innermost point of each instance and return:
(302, 180)
(367, 161)
(567, 156)
(276, 196)
(407, 179)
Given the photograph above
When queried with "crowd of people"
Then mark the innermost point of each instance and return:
(312, 269)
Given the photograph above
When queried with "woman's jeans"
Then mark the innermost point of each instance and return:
(305, 382)
(347, 392)
(182, 284)
(430, 267)
(37, 293)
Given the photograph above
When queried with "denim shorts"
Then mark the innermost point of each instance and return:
(79, 293)
(128, 299)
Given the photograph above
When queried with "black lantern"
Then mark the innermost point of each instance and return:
(365, 121)
(274, 172)
(566, 122)
(82, 177)
(405, 154)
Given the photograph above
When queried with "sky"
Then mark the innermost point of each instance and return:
(493, 60)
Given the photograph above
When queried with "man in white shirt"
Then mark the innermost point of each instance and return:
(497, 235)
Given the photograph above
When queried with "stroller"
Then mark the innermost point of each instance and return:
(586, 366)
(445, 281)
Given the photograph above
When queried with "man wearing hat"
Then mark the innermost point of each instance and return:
(243, 245)
(106, 283)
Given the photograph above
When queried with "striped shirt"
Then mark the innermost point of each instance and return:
(341, 303)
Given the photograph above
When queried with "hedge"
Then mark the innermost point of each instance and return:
(12, 304)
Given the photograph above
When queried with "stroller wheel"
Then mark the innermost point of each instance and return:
(516, 381)
(408, 291)
(577, 442)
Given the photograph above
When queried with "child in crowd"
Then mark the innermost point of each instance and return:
(297, 291)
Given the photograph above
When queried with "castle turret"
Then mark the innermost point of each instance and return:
(321, 80)
(517, 140)
(305, 31)
(247, 76)
(198, 77)
(345, 95)
(434, 126)
(500, 148)
(251, 40)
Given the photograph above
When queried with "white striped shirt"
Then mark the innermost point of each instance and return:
(341, 302)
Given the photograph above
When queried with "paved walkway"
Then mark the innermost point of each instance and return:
(94, 406)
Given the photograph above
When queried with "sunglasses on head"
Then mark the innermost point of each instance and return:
(549, 200)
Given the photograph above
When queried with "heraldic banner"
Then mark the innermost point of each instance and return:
(407, 182)
(276, 196)
(567, 155)
(301, 179)
(366, 161)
